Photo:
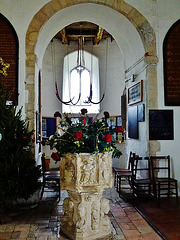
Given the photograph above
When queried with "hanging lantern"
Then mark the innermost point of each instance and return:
(78, 94)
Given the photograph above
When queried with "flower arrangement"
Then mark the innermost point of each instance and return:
(87, 135)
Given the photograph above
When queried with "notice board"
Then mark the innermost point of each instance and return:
(48, 127)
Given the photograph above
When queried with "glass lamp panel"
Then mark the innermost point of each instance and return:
(75, 85)
(85, 86)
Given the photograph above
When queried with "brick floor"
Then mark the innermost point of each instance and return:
(43, 221)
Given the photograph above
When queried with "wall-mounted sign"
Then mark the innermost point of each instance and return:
(135, 93)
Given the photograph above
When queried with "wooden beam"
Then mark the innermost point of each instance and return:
(80, 35)
(63, 35)
(98, 38)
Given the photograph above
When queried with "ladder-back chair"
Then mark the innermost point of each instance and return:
(163, 183)
(123, 173)
(141, 178)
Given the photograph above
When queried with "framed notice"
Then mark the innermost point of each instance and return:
(135, 93)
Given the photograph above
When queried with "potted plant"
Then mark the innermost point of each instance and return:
(19, 175)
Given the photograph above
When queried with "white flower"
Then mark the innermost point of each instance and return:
(51, 137)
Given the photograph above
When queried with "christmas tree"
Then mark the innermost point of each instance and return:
(19, 175)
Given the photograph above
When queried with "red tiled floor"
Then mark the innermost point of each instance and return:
(43, 221)
(165, 219)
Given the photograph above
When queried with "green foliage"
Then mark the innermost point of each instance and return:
(19, 174)
(88, 135)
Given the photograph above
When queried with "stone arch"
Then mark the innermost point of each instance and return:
(135, 17)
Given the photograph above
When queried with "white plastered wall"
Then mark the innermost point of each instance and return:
(162, 15)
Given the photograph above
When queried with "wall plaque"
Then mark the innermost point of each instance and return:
(135, 93)
(171, 53)
(161, 125)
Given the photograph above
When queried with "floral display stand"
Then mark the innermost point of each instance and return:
(85, 176)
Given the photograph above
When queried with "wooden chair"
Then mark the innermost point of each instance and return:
(142, 182)
(163, 183)
(123, 173)
(51, 179)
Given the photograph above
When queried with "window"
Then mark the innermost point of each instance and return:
(77, 83)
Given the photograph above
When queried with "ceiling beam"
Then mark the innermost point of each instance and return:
(98, 38)
(63, 36)
(80, 35)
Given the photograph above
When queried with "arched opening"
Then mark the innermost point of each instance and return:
(115, 82)
(125, 41)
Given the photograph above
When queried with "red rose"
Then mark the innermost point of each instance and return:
(83, 111)
(78, 135)
(107, 137)
(43, 143)
(25, 137)
(55, 156)
(33, 139)
(57, 114)
(106, 114)
(146, 54)
(118, 129)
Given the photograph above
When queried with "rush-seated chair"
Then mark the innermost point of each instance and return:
(164, 184)
(141, 178)
(123, 173)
